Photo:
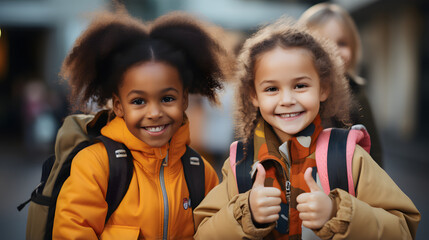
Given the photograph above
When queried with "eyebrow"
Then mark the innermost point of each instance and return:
(140, 92)
(267, 81)
(295, 79)
(170, 89)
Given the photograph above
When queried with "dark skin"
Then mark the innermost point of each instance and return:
(152, 102)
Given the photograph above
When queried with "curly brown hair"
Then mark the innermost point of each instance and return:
(114, 42)
(286, 33)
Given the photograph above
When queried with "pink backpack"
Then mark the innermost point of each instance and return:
(334, 154)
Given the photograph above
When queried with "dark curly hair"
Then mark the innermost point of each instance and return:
(286, 33)
(114, 42)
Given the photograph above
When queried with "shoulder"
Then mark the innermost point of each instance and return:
(227, 171)
(361, 156)
(210, 175)
(364, 167)
(229, 178)
(89, 171)
(208, 168)
(91, 158)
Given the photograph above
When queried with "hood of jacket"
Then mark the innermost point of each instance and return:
(149, 157)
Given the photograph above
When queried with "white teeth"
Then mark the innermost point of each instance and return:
(155, 129)
(287, 115)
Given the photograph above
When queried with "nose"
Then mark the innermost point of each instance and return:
(287, 98)
(154, 111)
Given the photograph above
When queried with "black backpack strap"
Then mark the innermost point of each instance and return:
(36, 195)
(120, 172)
(336, 160)
(243, 167)
(193, 167)
(63, 174)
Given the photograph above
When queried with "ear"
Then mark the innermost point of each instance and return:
(117, 106)
(324, 94)
(254, 99)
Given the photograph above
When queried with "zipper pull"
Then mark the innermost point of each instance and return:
(165, 160)
(288, 191)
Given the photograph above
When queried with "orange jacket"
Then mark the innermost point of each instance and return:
(81, 206)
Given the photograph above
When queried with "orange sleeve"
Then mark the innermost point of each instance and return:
(81, 206)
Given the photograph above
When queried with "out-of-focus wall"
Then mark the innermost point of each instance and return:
(63, 19)
(394, 64)
(391, 41)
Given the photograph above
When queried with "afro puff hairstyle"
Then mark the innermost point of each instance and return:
(114, 42)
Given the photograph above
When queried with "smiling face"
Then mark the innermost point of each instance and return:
(152, 102)
(287, 90)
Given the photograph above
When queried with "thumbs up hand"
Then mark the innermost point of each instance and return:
(315, 207)
(264, 201)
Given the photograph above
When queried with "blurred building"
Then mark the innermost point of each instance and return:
(35, 36)
(395, 61)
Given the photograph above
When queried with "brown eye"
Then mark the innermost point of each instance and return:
(168, 99)
(300, 86)
(138, 101)
(270, 89)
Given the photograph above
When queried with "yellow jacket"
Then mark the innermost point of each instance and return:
(81, 206)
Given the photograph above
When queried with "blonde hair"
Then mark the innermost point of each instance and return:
(321, 13)
(286, 34)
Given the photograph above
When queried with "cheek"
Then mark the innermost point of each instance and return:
(346, 55)
(311, 101)
(268, 104)
(178, 113)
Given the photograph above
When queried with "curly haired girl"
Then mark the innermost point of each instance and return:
(291, 82)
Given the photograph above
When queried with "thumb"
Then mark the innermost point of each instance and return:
(260, 176)
(310, 180)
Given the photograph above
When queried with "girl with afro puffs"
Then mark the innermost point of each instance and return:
(146, 72)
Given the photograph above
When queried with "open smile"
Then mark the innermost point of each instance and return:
(290, 115)
(156, 130)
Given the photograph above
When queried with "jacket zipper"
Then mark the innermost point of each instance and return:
(286, 155)
(287, 180)
(165, 197)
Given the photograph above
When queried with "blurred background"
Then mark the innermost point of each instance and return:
(35, 36)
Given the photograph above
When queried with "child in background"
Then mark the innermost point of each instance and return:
(290, 83)
(335, 23)
(147, 71)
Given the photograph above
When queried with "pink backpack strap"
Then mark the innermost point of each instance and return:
(233, 157)
(322, 158)
(357, 135)
(360, 136)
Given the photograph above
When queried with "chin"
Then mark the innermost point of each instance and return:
(291, 132)
(156, 144)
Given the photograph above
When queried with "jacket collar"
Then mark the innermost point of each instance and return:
(142, 152)
(267, 145)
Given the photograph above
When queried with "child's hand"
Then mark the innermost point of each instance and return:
(315, 207)
(264, 201)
